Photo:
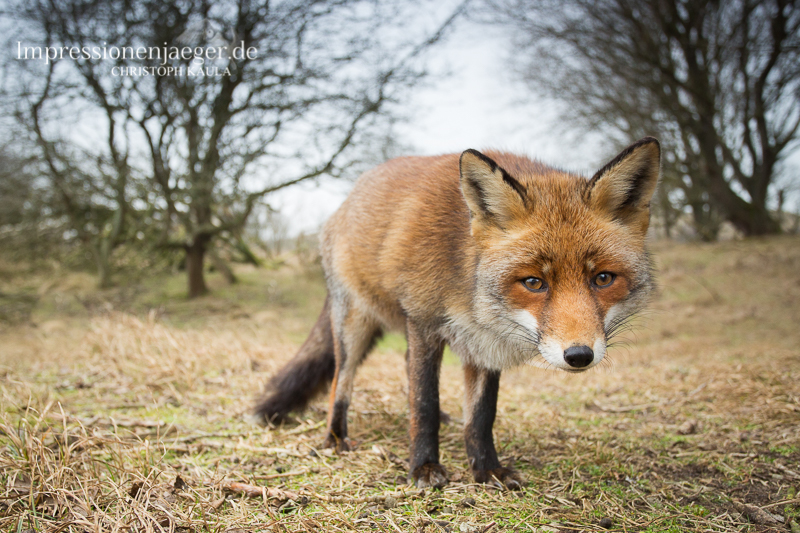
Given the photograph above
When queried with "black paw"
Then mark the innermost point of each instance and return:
(339, 445)
(428, 475)
(500, 477)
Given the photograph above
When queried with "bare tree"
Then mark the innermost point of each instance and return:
(299, 85)
(719, 81)
(23, 236)
(88, 180)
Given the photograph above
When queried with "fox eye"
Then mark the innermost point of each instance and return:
(535, 284)
(604, 279)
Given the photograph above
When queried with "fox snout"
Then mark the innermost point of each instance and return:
(573, 356)
(579, 356)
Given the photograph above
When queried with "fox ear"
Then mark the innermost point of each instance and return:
(492, 195)
(625, 186)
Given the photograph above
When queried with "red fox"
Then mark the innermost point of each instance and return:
(498, 256)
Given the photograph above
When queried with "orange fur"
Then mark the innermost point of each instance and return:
(496, 255)
(410, 241)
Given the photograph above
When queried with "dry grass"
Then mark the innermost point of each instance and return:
(137, 421)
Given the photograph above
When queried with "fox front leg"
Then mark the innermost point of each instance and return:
(481, 406)
(424, 361)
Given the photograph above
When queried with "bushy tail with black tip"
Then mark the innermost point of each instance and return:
(305, 376)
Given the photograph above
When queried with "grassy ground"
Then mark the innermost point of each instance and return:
(127, 410)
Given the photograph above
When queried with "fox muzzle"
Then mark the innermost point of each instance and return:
(578, 356)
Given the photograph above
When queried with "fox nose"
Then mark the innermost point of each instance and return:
(578, 356)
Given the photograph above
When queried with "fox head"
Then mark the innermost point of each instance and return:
(560, 260)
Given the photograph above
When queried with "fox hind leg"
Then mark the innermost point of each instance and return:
(480, 409)
(354, 334)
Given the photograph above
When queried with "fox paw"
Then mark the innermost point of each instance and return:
(500, 477)
(429, 475)
(338, 445)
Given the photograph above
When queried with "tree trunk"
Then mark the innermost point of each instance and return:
(195, 258)
(763, 223)
(751, 218)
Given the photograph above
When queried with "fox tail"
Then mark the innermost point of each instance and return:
(305, 376)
